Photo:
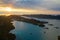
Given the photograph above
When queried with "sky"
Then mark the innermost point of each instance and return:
(42, 6)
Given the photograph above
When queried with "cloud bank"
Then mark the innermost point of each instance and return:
(34, 4)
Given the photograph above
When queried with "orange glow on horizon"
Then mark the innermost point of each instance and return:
(5, 14)
(27, 11)
(9, 9)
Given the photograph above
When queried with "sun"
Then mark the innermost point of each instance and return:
(8, 9)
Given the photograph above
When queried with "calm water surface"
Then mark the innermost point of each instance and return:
(27, 31)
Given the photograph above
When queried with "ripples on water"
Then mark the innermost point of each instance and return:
(27, 31)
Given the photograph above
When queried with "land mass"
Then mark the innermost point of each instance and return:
(45, 16)
(32, 21)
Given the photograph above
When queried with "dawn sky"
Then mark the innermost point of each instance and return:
(42, 6)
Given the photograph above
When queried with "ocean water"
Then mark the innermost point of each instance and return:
(27, 31)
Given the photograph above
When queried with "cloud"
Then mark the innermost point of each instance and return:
(35, 4)
(39, 4)
(51, 4)
(47, 4)
(27, 3)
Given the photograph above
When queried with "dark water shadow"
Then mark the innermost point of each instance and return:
(5, 27)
